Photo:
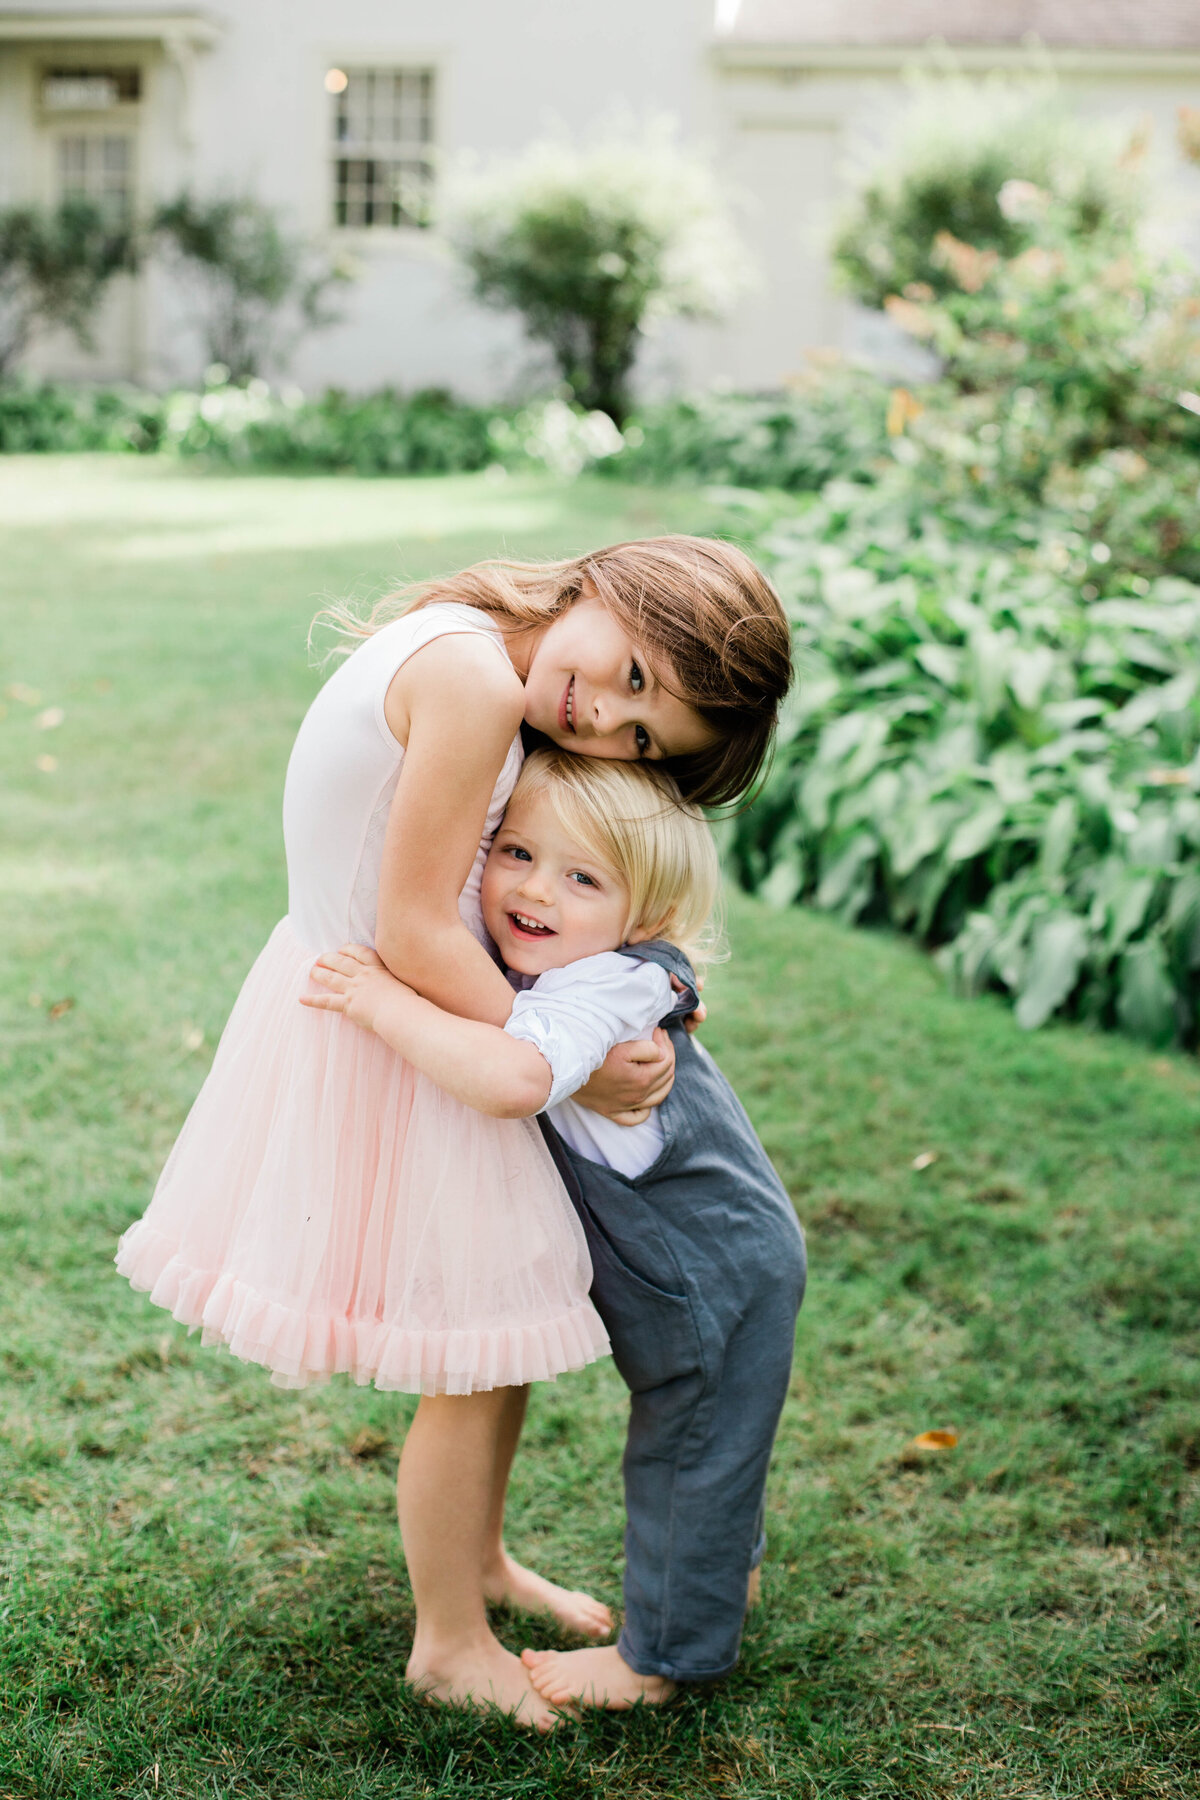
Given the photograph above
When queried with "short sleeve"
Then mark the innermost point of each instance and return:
(575, 1015)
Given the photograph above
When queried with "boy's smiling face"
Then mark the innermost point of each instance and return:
(547, 900)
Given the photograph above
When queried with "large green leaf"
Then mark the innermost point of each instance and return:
(1052, 968)
(1146, 994)
(940, 661)
(1128, 906)
(976, 833)
(1058, 837)
(1183, 918)
(842, 879)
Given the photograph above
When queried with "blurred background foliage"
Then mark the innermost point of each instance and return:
(966, 147)
(993, 574)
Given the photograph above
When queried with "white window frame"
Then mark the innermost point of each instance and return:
(385, 146)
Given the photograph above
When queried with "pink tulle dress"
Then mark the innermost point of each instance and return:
(326, 1208)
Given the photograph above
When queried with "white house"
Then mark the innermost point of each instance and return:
(343, 115)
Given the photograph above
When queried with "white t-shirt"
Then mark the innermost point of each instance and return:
(574, 1016)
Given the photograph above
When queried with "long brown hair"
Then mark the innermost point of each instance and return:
(704, 614)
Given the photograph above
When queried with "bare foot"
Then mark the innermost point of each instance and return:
(513, 1585)
(598, 1677)
(754, 1587)
(484, 1675)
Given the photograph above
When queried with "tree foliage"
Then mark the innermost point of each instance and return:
(54, 267)
(968, 150)
(260, 287)
(592, 247)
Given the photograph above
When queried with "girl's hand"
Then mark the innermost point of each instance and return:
(631, 1079)
(355, 983)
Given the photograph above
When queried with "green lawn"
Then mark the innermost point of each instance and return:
(203, 1593)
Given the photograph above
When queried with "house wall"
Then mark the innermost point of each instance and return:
(260, 122)
(250, 113)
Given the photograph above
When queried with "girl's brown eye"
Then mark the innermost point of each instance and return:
(637, 680)
(642, 739)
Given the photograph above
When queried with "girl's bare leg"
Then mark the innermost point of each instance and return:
(444, 1502)
(506, 1580)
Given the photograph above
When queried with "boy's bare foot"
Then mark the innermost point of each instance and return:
(485, 1675)
(598, 1677)
(754, 1587)
(513, 1585)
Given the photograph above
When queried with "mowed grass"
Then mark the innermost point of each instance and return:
(203, 1592)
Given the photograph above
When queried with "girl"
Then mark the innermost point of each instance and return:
(328, 1208)
(699, 1261)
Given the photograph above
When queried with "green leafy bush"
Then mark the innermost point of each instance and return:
(249, 426)
(966, 149)
(592, 247)
(981, 755)
(51, 416)
(54, 267)
(427, 432)
(261, 288)
(834, 424)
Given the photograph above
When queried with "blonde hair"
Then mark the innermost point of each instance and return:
(705, 615)
(633, 819)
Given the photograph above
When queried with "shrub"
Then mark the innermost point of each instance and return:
(988, 752)
(54, 268)
(835, 424)
(1104, 345)
(960, 166)
(53, 417)
(261, 287)
(592, 247)
(428, 432)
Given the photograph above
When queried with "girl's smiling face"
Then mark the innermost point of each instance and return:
(546, 899)
(589, 688)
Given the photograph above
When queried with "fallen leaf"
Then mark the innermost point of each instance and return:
(16, 690)
(927, 1444)
(49, 720)
(47, 764)
(925, 1160)
(60, 1007)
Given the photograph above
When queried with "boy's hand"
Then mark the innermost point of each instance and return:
(694, 1020)
(355, 983)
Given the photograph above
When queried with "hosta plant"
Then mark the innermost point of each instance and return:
(981, 755)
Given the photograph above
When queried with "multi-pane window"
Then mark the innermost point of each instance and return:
(98, 166)
(383, 145)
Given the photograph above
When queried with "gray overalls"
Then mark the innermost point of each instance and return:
(699, 1273)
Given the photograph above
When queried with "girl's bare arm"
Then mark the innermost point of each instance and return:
(456, 707)
(476, 1063)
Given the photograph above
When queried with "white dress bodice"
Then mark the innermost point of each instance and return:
(341, 778)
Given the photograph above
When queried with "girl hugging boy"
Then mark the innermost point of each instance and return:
(383, 1202)
(599, 889)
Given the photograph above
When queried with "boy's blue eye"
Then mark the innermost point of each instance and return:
(584, 880)
(516, 850)
(637, 680)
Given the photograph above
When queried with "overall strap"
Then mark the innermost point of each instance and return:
(657, 950)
